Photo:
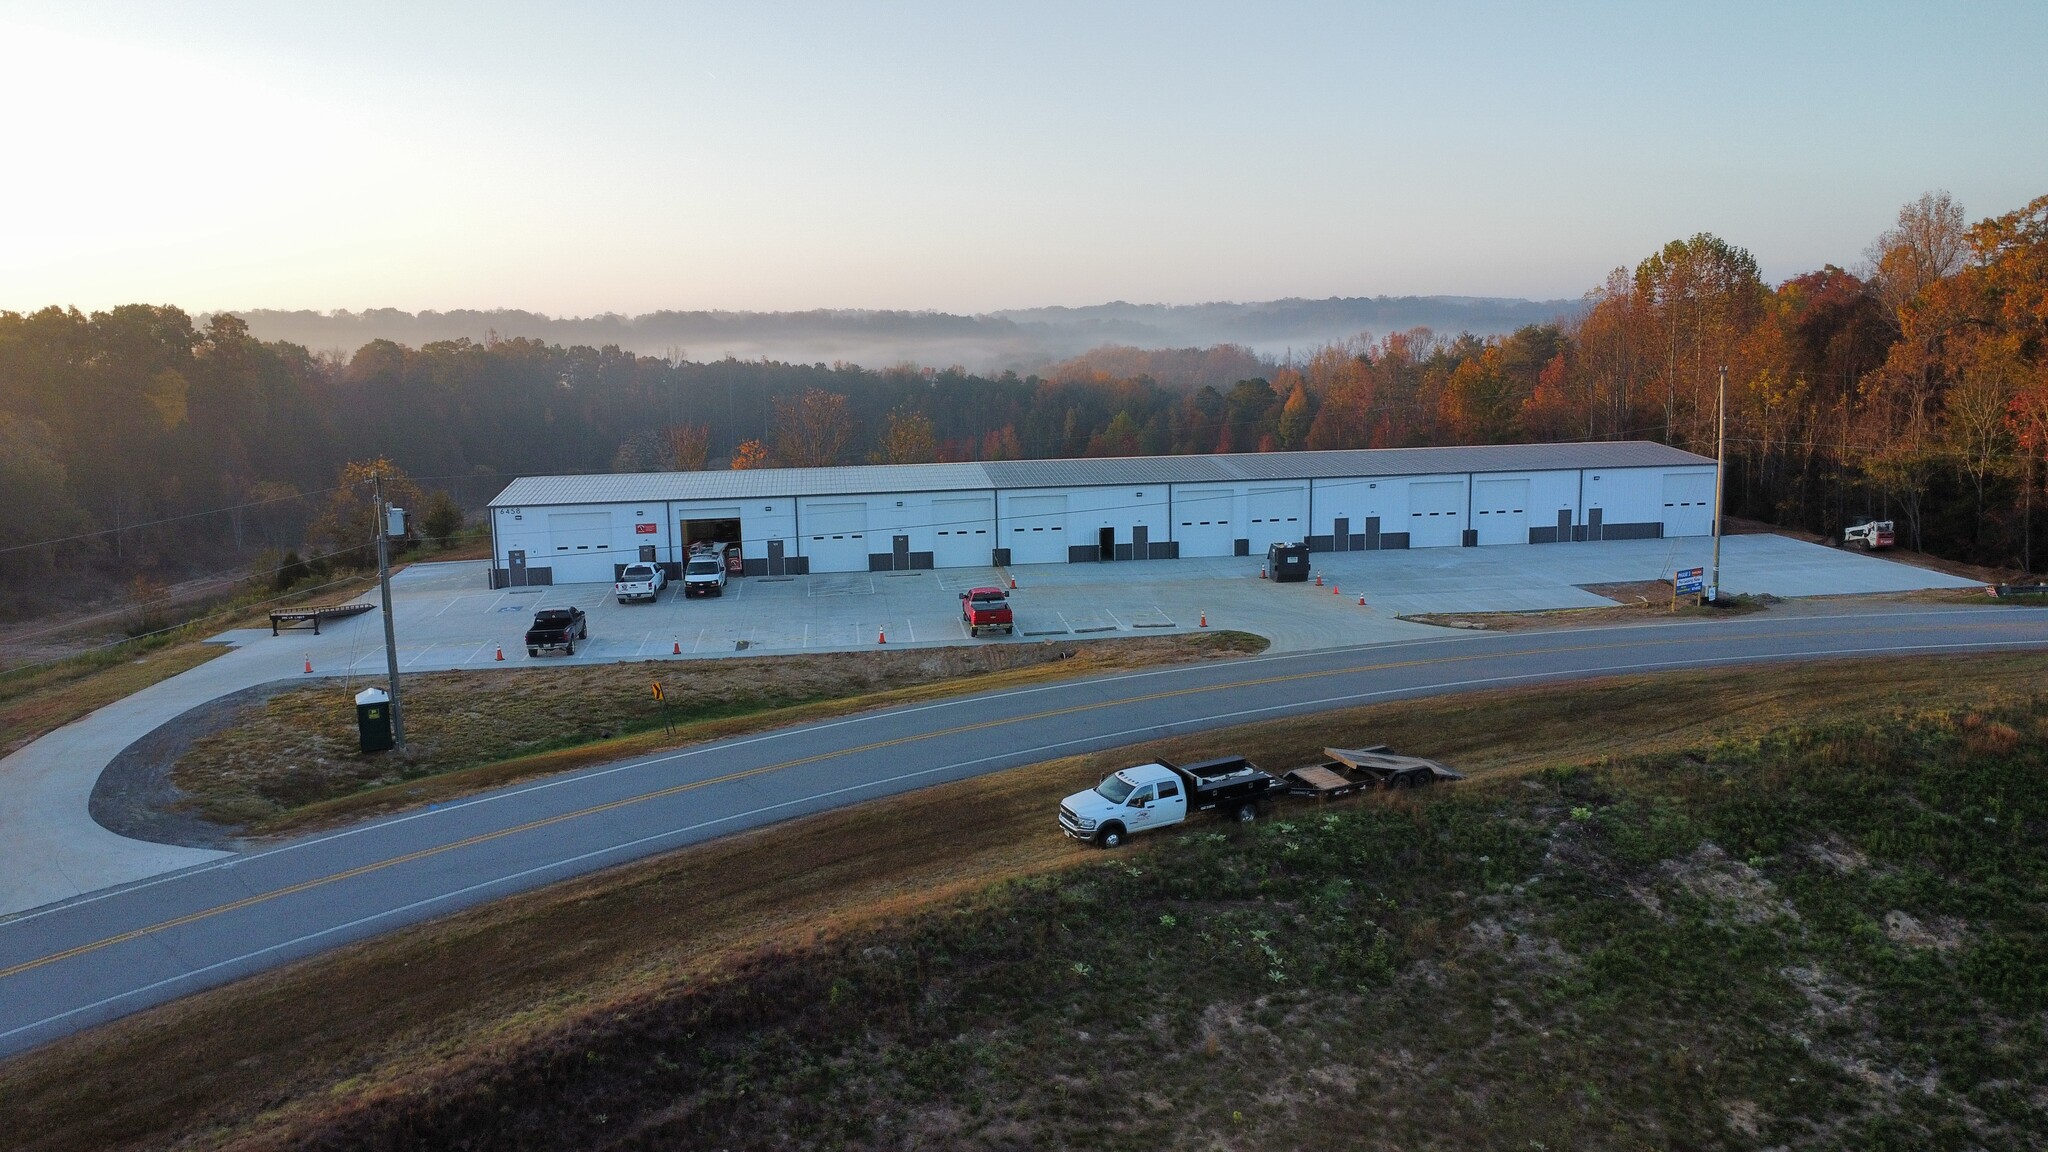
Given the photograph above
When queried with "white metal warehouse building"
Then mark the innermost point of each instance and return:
(792, 521)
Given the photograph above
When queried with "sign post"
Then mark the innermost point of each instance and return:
(1687, 582)
(668, 724)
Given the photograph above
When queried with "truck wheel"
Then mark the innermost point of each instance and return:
(533, 651)
(1247, 813)
(568, 649)
(1111, 837)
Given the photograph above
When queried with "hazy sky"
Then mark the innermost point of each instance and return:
(584, 158)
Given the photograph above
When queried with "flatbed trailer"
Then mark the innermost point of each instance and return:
(315, 613)
(1351, 770)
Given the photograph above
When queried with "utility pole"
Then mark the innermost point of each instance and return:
(1720, 464)
(383, 519)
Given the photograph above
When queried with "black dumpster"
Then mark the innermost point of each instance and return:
(1288, 561)
(373, 719)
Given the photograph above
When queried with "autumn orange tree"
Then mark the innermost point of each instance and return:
(811, 430)
(347, 528)
(749, 454)
(689, 446)
(908, 439)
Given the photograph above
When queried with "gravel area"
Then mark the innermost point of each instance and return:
(135, 797)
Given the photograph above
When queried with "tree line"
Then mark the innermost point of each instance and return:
(138, 440)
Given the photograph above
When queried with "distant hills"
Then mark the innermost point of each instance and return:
(1023, 339)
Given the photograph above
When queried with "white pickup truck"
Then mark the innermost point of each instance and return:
(640, 582)
(1159, 794)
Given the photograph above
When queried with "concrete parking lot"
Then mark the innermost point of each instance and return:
(448, 618)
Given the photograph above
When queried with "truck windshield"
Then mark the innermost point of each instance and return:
(1115, 790)
(703, 568)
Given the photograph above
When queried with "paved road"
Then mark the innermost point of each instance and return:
(71, 965)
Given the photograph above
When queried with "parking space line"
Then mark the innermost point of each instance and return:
(416, 656)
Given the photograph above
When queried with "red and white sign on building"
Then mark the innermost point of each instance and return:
(647, 529)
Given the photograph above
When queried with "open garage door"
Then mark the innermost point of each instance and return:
(1689, 504)
(963, 533)
(1500, 511)
(835, 537)
(1201, 522)
(717, 526)
(579, 547)
(1035, 532)
(1436, 514)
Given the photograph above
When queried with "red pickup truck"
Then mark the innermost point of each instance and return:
(986, 609)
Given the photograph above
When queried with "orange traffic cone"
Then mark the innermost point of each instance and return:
(881, 636)
(1013, 583)
(1319, 580)
(1205, 618)
(501, 651)
(1336, 591)
(1262, 571)
(678, 650)
(309, 663)
(1361, 601)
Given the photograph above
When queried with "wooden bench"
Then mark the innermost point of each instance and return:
(297, 617)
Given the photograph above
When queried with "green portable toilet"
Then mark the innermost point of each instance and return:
(373, 719)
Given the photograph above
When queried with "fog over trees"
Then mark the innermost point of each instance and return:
(1020, 340)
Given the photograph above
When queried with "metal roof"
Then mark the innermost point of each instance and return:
(759, 483)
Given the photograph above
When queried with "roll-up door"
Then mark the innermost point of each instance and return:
(963, 532)
(835, 537)
(1034, 529)
(1201, 521)
(1689, 504)
(1436, 514)
(579, 547)
(1276, 517)
(1500, 511)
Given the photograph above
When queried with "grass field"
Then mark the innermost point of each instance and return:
(293, 761)
(1802, 906)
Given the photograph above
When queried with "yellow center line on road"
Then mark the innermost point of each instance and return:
(678, 789)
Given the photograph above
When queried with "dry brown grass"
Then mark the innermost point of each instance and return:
(246, 1064)
(33, 703)
(292, 762)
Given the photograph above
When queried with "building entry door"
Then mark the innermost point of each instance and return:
(776, 564)
(899, 549)
(1107, 545)
(516, 561)
(1141, 542)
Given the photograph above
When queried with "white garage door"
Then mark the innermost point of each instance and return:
(579, 547)
(1035, 530)
(1689, 504)
(1276, 517)
(1500, 511)
(961, 532)
(835, 537)
(1436, 514)
(1201, 522)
